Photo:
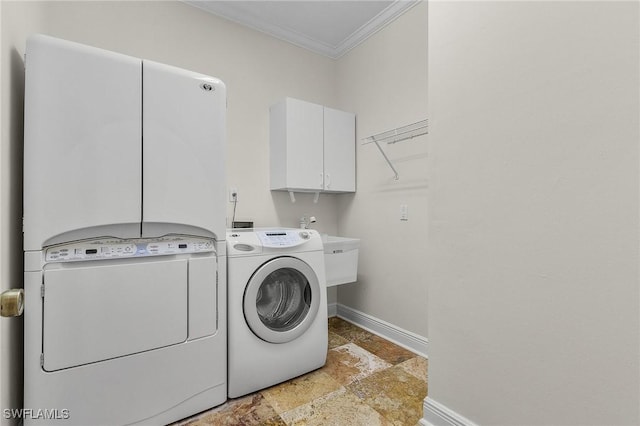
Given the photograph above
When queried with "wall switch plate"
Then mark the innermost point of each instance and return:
(233, 195)
(404, 212)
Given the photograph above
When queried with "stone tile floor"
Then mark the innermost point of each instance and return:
(367, 381)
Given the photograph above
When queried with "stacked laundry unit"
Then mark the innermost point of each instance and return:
(124, 229)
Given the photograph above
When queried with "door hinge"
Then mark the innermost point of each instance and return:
(42, 291)
(217, 303)
(41, 360)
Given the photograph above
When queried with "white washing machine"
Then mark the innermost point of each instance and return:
(277, 307)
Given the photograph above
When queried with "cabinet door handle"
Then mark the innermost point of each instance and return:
(328, 180)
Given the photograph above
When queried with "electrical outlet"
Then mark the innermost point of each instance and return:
(404, 212)
(233, 195)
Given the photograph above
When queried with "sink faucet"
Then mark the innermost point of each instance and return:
(306, 223)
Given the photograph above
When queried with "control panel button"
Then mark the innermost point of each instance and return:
(110, 248)
(243, 247)
(280, 238)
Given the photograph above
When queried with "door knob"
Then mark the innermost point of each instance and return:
(12, 302)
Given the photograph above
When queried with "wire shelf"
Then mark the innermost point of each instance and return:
(403, 133)
(409, 131)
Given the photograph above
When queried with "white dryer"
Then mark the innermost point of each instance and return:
(125, 331)
(124, 227)
(277, 307)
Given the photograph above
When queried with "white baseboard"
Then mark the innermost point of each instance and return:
(397, 335)
(436, 414)
(332, 309)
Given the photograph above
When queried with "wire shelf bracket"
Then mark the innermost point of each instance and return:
(403, 133)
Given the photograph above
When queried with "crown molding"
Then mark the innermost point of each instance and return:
(230, 11)
(381, 20)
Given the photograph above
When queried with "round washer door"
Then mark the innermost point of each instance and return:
(281, 299)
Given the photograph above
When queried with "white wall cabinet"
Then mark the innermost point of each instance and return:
(106, 134)
(312, 148)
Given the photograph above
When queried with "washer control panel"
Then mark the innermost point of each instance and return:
(283, 237)
(114, 248)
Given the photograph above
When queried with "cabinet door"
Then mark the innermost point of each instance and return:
(82, 142)
(304, 145)
(339, 151)
(184, 117)
(95, 313)
(296, 156)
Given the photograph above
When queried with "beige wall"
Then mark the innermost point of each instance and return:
(384, 80)
(534, 211)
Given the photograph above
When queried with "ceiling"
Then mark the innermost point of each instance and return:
(327, 27)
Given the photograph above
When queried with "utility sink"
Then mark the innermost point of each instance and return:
(340, 259)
